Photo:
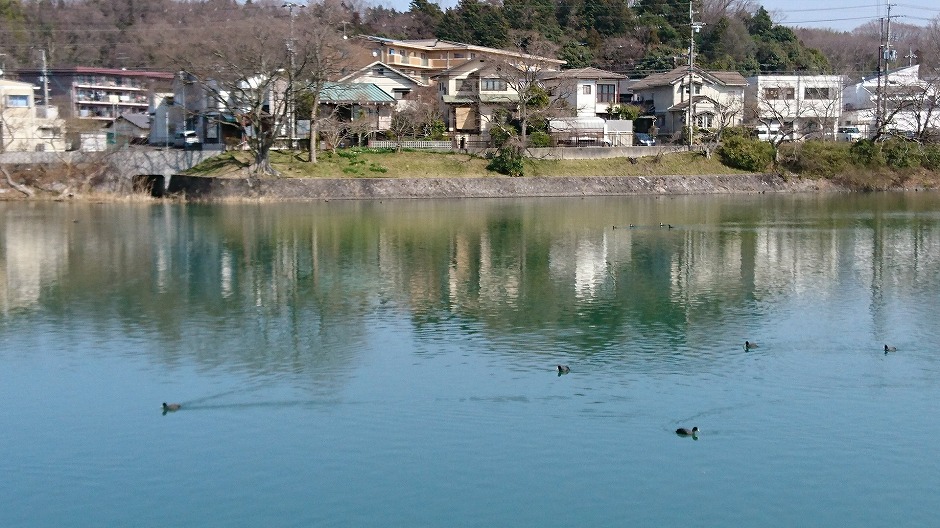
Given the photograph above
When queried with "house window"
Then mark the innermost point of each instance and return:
(378, 71)
(466, 85)
(704, 120)
(586, 89)
(606, 93)
(493, 85)
(17, 101)
(816, 93)
(442, 88)
(458, 55)
(779, 93)
(391, 51)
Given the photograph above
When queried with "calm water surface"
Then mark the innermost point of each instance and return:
(393, 364)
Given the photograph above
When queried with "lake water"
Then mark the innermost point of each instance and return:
(394, 364)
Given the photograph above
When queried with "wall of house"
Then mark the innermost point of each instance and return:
(28, 128)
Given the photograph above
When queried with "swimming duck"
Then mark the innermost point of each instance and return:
(749, 345)
(890, 349)
(682, 431)
(563, 369)
(171, 407)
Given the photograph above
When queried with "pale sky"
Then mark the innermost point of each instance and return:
(843, 15)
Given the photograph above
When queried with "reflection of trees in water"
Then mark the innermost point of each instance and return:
(295, 288)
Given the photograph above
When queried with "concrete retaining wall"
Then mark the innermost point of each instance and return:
(203, 188)
(124, 163)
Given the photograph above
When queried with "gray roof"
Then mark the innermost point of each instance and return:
(726, 78)
(338, 93)
(585, 73)
(138, 120)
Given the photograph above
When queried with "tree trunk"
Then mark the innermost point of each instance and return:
(22, 188)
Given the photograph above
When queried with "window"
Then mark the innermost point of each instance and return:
(466, 85)
(816, 93)
(704, 120)
(378, 71)
(17, 101)
(586, 89)
(779, 93)
(493, 85)
(391, 51)
(606, 93)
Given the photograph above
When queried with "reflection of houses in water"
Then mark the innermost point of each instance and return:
(34, 255)
(589, 261)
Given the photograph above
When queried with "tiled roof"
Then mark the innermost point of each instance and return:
(586, 73)
(138, 120)
(355, 93)
(726, 78)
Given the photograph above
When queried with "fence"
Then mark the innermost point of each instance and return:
(436, 145)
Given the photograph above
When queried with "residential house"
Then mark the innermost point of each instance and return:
(211, 110)
(98, 93)
(911, 104)
(794, 106)
(471, 93)
(422, 59)
(26, 126)
(715, 100)
(389, 79)
(591, 92)
(130, 129)
(358, 101)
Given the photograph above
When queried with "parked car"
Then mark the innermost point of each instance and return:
(848, 134)
(186, 140)
(644, 140)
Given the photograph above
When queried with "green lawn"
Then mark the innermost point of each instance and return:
(364, 163)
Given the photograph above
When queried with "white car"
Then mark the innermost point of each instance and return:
(849, 133)
(186, 140)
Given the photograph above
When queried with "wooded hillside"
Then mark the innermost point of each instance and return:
(652, 35)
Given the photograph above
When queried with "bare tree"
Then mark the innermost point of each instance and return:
(258, 76)
(795, 108)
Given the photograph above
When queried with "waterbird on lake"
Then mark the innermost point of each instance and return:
(749, 345)
(563, 369)
(682, 431)
(890, 349)
(171, 407)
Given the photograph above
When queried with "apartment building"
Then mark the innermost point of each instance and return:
(100, 94)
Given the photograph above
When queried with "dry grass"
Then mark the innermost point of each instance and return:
(363, 163)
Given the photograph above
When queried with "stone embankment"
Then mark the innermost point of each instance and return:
(207, 188)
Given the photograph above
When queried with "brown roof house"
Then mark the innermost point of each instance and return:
(711, 99)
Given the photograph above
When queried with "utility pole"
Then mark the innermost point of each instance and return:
(45, 81)
(885, 55)
(289, 92)
(690, 113)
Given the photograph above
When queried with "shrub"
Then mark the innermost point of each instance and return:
(508, 160)
(931, 160)
(822, 158)
(902, 154)
(540, 139)
(867, 153)
(746, 154)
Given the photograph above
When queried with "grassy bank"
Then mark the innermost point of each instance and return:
(365, 163)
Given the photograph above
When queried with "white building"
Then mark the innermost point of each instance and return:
(795, 106)
(912, 104)
(590, 91)
(24, 126)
